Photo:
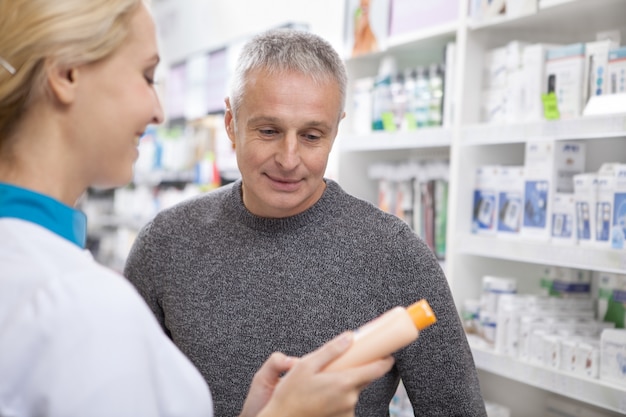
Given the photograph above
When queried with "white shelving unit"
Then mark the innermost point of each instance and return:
(469, 144)
(590, 391)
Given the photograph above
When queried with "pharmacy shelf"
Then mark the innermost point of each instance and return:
(544, 253)
(443, 33)
(591, 391)
(552, 13)
(432, 137)
(589, 127)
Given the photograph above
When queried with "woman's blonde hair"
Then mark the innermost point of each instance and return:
(66, 32)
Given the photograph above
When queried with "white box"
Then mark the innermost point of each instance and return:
(618, 224)
(514, 98)
(617, 71)
(362, 105)
(485, 200)
(510, 200)
(521, 7)
(588, 358)
(608, 176)
(567, 283)
(586, 195)
(534, 80)
(493, 288)
(495, 68)
(515, 55)
(494, 103)
(563, 219)
(564, 76)
(613, 356)
(596, 63)
(510, 308)
(567, 357)
(549, 167)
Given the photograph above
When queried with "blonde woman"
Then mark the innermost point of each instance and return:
(76, 93)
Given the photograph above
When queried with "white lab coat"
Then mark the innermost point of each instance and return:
(76, 339)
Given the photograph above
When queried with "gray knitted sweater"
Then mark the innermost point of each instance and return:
(230, 288)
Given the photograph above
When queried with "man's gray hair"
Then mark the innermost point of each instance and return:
(281, 50)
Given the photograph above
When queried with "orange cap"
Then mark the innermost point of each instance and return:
(421, 314)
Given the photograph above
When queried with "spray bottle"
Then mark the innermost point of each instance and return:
(385, 334)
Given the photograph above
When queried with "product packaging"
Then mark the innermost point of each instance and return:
(514, 88)
(362, 105)
(563, 217)
(612, 298)
(565, 73)
(485, 200)
(549, 168)
(586, 196)
(617, 234)
(385, 335)
(596, 63)
(613, 356)
(566, 282)
(366, 28)
(510, 200)
(534, 80)
(617, 71)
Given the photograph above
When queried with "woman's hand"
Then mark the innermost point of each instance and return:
(306, 390)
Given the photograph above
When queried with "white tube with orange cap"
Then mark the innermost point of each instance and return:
(385, 335)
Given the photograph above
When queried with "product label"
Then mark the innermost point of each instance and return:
(583, 228)
(618, 229)
(550, 106)
(509, 213)
(562, 225)
(536, 204)
(484, 211)
(603, 221)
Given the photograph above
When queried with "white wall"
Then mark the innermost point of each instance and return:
(189, 26)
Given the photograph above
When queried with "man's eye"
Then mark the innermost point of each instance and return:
(311, 137)
(267, 131)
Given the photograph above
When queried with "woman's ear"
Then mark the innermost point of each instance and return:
(62, 81)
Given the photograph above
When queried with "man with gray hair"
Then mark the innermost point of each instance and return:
(284, 259)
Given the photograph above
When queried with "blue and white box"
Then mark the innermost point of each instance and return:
(617, 71)
(618, 227)
(510, 200)
(563, 219)
(549, 167)
(607, 183)
(485, 204)
(586, 197)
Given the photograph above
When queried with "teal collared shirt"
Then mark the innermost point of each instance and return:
(65, 221)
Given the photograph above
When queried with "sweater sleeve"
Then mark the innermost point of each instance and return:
(438, 369)
(144, 270)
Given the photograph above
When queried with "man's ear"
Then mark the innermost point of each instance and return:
(62, 81)
(229, 122)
